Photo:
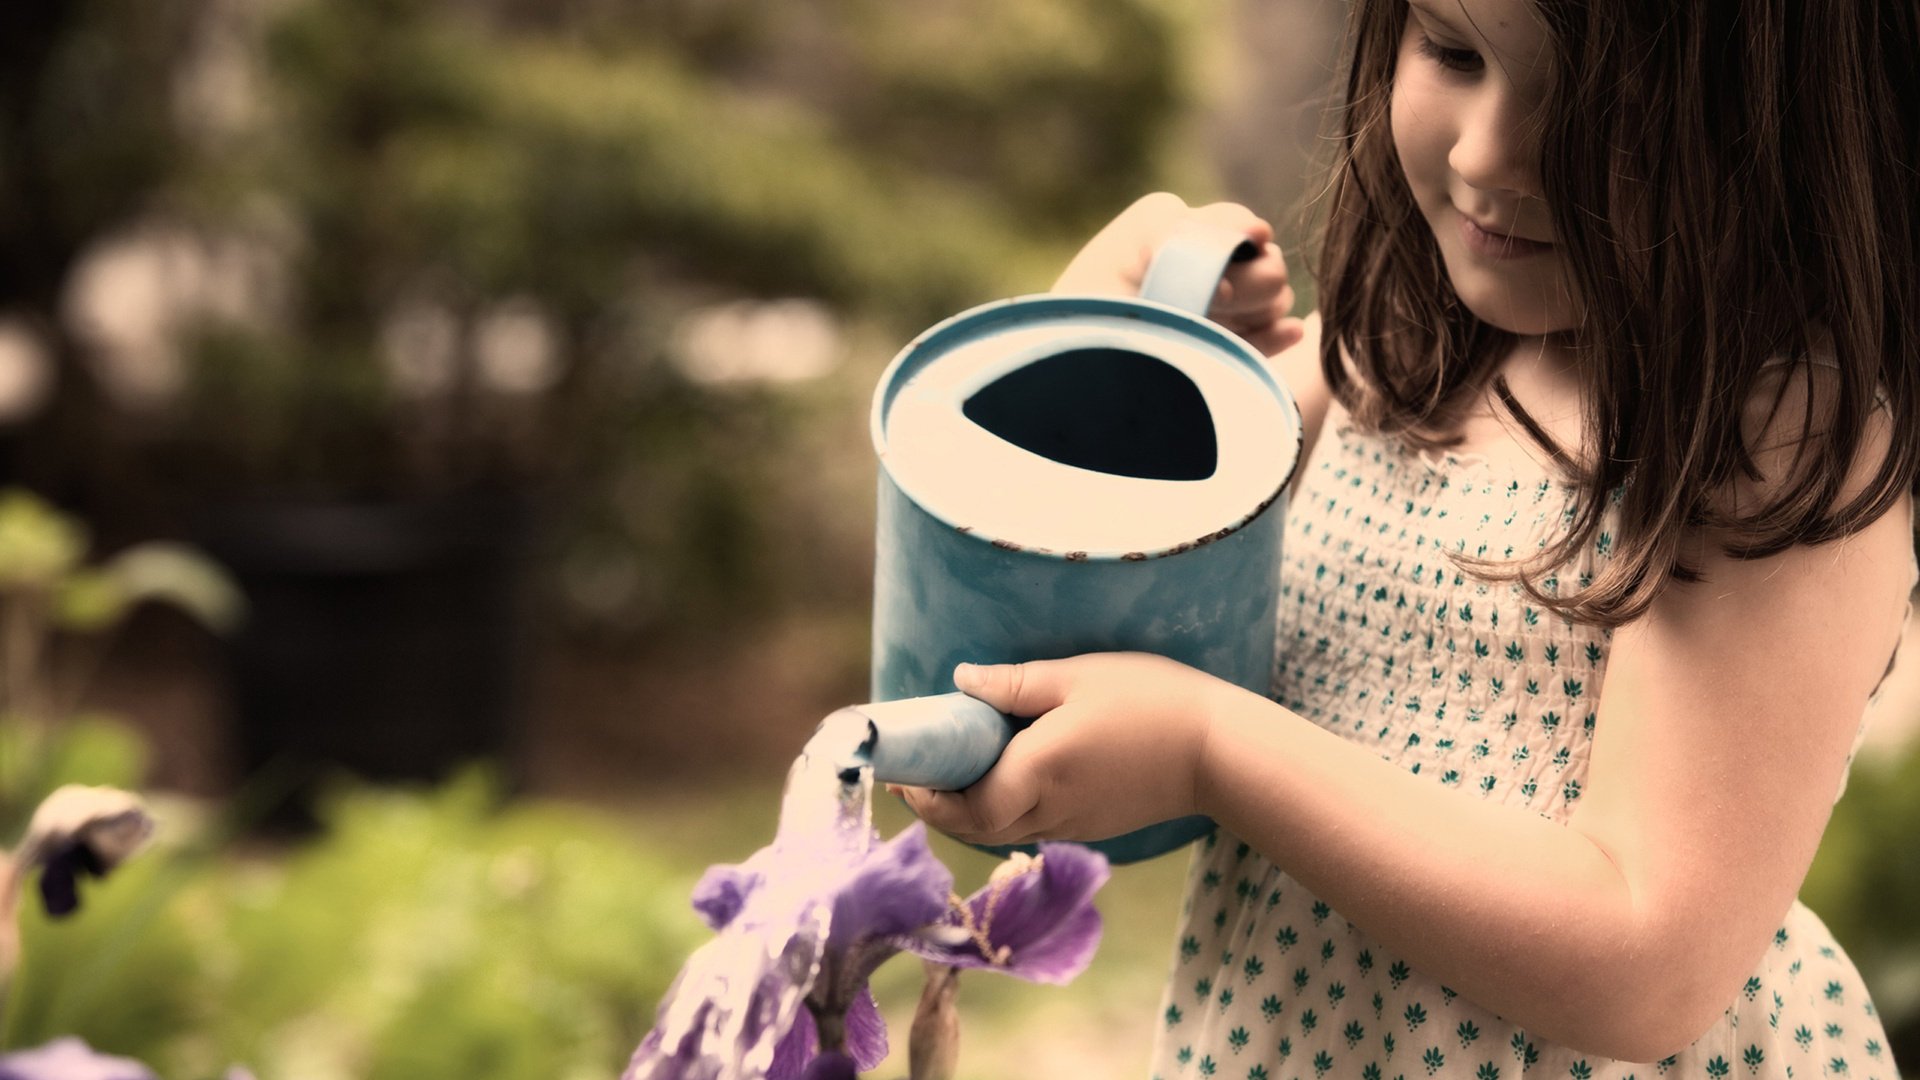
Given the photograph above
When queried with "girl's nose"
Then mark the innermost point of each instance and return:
(1496, 148)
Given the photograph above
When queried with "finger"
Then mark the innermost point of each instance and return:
(1255, 282)
(943, 810)
(1238, 218)
(1276, 337)
(997, 803)
(1009, 793)
(986, 813)
(1115, 261)
(1154, 213)
(1027, 689)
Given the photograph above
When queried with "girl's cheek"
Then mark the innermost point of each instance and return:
(1414, 133)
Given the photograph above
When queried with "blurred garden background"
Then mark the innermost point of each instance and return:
(511, 359)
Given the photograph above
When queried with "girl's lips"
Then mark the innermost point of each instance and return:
(1498, 245)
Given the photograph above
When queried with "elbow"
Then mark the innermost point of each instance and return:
(1652, 1035)
(1644, 1031)
(1644, 995)
(1653, 1013)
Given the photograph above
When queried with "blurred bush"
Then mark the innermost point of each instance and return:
(427, 935)
(59, 611)
(444, 933)
(1864, 883)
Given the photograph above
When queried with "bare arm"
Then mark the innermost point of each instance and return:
(1726, 718)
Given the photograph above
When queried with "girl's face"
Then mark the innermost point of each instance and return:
(1466, 90)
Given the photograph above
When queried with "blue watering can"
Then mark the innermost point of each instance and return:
(1072, 474)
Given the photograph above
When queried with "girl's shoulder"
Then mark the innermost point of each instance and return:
(1793, 417)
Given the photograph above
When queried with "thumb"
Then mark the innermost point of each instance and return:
(1015, 689)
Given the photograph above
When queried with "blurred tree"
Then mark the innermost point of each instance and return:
(475, 226)
(575, 155)
(87, 137)
(429, 177)
(604, 166)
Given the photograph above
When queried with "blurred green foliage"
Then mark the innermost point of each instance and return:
(450, 934)
(59, 609)
(443, 934)
(607, 167)
(896, 166)
(612, 168)
(1865, 884)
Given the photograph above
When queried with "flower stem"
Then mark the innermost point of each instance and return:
(933, 1044)
(833, 1027)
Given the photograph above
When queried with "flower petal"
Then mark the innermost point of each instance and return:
(868, 899)
(70, 1059)
(866, 1032)
(796, 1048)
(898, 888)
(722, 892)
(866, 1035)
(652, 1060)
(1044, 920)
(1064, 952)
(1047, 920)
(60, 877)
(830, 1066)
(81, 830)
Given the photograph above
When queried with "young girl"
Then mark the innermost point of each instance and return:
(1603, 541)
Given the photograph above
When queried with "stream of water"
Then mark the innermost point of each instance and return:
(739, 993)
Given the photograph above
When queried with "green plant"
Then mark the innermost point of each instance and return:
(58, 613)
(435, 170)
(448, 934)
(437, 934)
(1863, 882)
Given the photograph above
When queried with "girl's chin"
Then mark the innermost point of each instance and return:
(1526, 328)
(1497, 306)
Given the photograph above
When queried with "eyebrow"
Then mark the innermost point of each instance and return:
(1435, 14)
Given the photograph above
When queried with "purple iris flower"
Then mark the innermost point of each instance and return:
(70, 1059)
(78, 832)
(814, 996)
(782, 991)
(830, 1066)
(1034, 919)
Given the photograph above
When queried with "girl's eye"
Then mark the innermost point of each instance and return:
(1463, 60)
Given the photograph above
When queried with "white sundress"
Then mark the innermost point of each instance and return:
(1386, 643)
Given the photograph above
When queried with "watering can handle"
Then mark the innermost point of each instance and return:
(1187, 268)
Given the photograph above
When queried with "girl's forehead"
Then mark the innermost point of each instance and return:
(1511, 29)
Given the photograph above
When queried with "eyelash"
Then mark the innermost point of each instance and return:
(1465, 61)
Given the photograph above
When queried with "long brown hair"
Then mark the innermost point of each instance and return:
(1731, 184)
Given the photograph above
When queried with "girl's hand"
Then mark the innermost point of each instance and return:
(1115, 749)
(1254, 299)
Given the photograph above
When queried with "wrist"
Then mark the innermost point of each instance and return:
(1211, 717)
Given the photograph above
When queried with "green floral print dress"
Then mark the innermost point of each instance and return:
(1386, 642)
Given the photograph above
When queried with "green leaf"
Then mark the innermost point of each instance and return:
(39, 545)
(179, 575)
(89, 601)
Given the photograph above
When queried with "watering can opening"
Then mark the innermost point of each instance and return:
(1133, 415)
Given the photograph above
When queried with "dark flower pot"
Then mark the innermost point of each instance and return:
(382, 638)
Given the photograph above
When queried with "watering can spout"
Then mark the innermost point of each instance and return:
(943, 741)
